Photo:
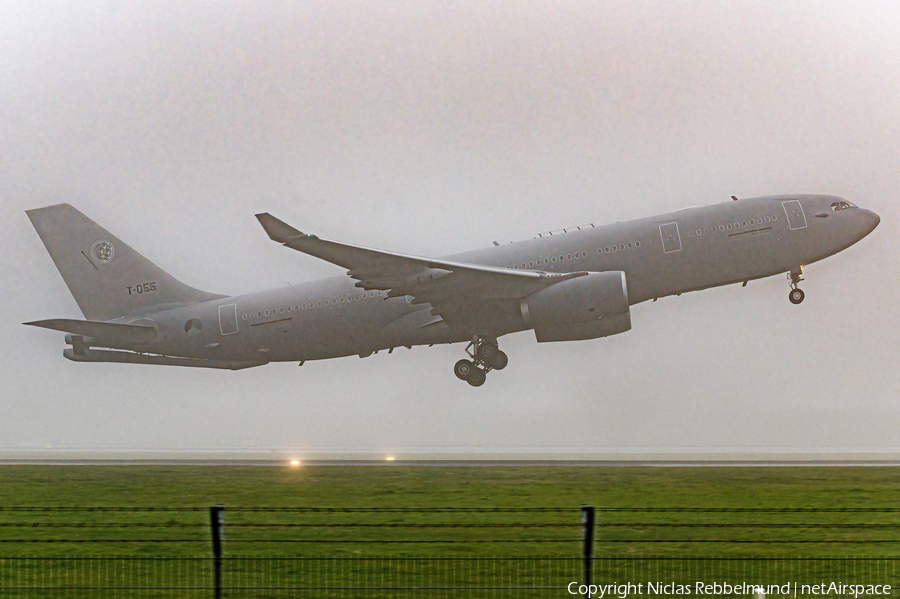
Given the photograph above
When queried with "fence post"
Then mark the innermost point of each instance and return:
(217, 522)
(587, 527)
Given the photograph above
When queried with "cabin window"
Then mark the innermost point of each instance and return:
(568, 256)
(637, 244)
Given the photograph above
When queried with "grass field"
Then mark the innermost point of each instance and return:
(398, 486)
(404, 494)
(406, 486)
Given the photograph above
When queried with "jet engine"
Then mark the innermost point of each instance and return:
(587, 307)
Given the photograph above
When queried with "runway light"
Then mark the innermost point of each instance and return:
(390, 458)
(295, 462)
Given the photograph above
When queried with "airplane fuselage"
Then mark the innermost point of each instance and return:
(687, 250)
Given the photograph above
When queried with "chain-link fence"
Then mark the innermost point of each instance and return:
(447, 552)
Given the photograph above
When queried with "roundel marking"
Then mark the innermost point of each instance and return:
(103, 251)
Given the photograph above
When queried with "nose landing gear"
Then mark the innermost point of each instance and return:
(486, 357)
(796, 295)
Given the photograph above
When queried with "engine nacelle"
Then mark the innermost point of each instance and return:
(595, 305)
(606, 326)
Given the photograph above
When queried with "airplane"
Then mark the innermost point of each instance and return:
(571, 284)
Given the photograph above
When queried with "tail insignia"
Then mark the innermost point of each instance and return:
(103, 251)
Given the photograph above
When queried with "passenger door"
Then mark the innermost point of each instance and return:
(795, 216)
(228, 323)
(671, 240)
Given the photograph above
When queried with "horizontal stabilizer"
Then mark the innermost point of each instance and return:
(126, 357)
(109, 332)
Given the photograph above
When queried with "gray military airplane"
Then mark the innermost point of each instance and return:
(572, 284)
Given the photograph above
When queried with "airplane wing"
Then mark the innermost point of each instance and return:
(427, 280)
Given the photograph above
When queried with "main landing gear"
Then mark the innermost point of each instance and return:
(796, 295)
(486, 357)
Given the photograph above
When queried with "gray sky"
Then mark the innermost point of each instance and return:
(437, 127)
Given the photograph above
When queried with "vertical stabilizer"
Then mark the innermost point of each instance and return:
(107, 278)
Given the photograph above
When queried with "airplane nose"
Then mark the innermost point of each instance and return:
(871, 220)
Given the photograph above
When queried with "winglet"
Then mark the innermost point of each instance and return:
(277, 230)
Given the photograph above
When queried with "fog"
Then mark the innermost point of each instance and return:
(432, 128)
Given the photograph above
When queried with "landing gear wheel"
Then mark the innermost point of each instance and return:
(463, 368)
(796, 296)
(487, 351)
(499, 361)
(476, 377)
(491, 355)
(484, 356)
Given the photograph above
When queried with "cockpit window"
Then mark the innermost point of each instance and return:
(842, 205)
